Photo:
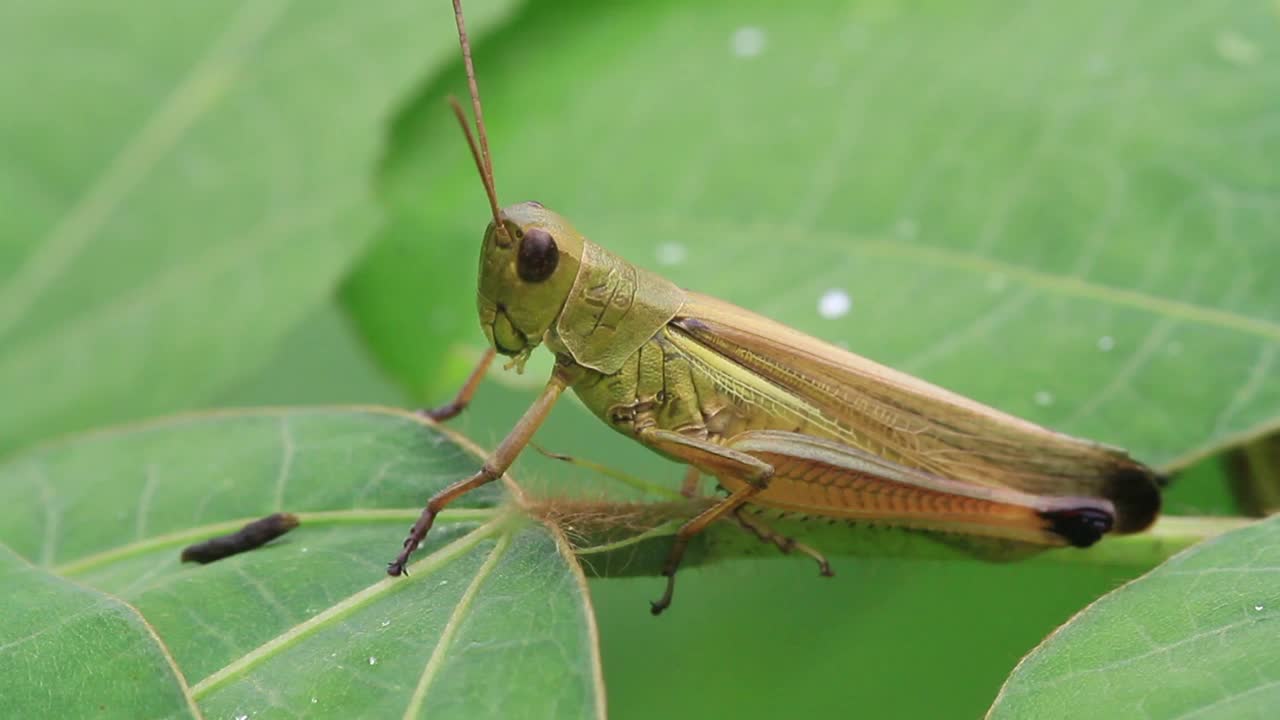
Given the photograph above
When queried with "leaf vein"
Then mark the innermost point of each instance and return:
(194, 95)
(280, 642)
(456, 618)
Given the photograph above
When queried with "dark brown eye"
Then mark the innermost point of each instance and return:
(538, 256)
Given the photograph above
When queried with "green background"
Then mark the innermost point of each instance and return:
(1066, 210)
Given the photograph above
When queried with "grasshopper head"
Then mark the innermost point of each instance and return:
(525, 277)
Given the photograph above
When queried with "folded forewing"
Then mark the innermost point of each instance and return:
(816, 476)
(919, 425)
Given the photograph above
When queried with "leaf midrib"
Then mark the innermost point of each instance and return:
(459, 614)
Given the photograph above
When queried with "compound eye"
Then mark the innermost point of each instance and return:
(538, 256)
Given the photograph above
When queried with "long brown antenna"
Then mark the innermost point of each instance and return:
(465, 124)
(484, 161)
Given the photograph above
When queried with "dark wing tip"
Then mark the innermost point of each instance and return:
(1080, 527)
(1135, 492)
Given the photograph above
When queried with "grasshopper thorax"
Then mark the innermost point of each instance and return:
(526, 275)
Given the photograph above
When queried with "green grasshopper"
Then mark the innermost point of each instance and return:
(778, 418)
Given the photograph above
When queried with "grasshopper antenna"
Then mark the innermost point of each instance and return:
(480, 152)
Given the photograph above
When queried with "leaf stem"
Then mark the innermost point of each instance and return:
(1170, 535)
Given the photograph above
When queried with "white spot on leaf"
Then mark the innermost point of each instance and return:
(748, 41)
(1236, 48)
(834, 303)
(670, 253)
(1106, 343)
(1044, 398)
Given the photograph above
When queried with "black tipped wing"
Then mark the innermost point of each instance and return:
(919, 425)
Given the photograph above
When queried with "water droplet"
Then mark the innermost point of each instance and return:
(748, 41)
(373, 660)
(834, 303)
(997, 282)
(1236, 48)
(1106, 343)
(1044, 398)
(1258, 607)
(670, 253)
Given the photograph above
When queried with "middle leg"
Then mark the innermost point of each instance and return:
(722, 462)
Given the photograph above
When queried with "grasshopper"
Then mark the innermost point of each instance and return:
(778, 418)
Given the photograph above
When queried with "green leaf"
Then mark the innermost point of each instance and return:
(1067, 210)
(997, 188)
(182, 184)
(72, 652)
(493, 616)
(1194, 638)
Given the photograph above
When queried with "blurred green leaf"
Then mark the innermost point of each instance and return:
(69, 651)
(1066, 210)
(181, 184)
(492, 617)
(320, 361)
(1195, 637)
